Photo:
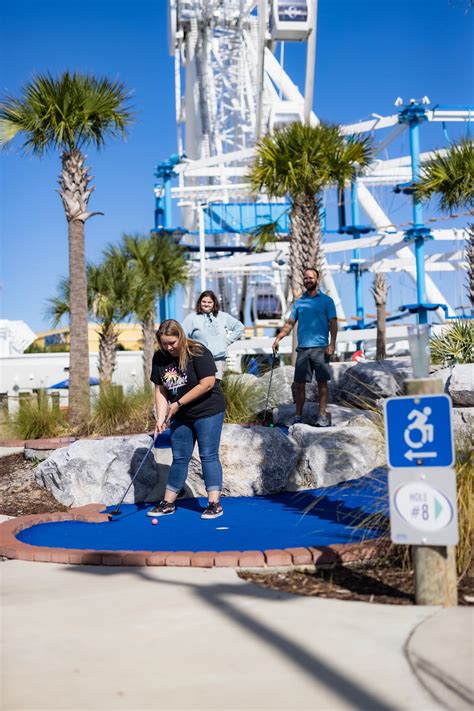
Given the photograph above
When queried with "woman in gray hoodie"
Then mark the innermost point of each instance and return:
(214, 328)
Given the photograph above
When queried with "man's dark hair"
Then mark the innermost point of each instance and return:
(211, 295)
(311, 269)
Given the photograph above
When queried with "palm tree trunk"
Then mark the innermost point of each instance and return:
(305, 242)
(79, 406)
(75, 193)
(148, 333)
(108, 341)
(379, 290)
(381, 333)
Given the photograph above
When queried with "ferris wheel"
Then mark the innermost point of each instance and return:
(230, 89)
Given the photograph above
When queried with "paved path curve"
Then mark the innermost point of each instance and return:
(83, 637)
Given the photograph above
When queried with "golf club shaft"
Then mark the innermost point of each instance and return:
(117, 508)
(269, 385)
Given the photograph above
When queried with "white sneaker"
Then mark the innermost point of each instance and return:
(323, 421)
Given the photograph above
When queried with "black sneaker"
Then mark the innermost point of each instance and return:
(164, 508)
(213, 510)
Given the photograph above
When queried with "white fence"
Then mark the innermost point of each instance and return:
(27, 372)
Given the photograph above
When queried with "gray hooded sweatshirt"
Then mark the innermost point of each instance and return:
(214, 332)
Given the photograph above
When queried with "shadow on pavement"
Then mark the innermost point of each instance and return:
(216, 596)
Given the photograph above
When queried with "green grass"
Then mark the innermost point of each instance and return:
(36, 419)
(242, 399)
(464, 468)
(115, 411)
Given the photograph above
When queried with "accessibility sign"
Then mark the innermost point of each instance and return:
(418, 431)
(423, 507)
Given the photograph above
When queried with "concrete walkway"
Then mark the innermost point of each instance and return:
(78, 637)
(447, 670)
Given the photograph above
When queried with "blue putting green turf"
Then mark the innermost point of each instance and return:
(320, 517)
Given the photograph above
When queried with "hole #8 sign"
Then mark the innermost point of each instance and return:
(423, 507)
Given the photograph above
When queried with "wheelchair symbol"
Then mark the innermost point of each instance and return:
(419, 424)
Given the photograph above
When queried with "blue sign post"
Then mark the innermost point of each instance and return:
(419, 432)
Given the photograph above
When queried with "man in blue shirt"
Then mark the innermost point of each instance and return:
(315, 313)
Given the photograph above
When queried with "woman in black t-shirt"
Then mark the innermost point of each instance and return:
(188, 399)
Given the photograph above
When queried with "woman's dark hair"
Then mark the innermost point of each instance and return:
(210, 295)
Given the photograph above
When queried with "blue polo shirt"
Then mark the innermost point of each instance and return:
(313, 314)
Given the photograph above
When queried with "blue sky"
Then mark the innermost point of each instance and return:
(368, 53)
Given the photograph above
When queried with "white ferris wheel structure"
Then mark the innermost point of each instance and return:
(231, 87)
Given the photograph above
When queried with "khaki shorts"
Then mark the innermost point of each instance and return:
(309, 361)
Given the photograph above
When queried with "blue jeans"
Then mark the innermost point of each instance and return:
(207, 431)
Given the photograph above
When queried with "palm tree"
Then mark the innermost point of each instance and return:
(157, 266)
(108, 301)
(299, 161)
(68, 114)
(379, 290)
(451, 177)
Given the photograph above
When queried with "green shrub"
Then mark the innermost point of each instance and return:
(454, 345)
(36, 418)
(243, 399)
(117, 412)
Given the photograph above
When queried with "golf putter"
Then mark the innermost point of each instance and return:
(117, 511)
(274, 357)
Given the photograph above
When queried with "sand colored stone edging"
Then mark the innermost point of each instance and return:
(11, 547)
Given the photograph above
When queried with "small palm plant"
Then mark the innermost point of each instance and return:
(454, 345)
(450, 176)
(299, 161)
(379, 290)
(157, 266)
(68, 114)
(108, 302)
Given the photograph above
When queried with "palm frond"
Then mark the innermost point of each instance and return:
(66, 113)
(58, 306)
(157, 266)
(302, 160)
(450, 177)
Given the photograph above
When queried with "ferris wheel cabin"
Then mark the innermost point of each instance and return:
(290, 20)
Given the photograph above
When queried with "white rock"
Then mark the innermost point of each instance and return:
(463, 424)
(365, 383)
(255, 460)
(461, 385)
(280, 390)
(99, 471)
(334, 454)
(283, 414)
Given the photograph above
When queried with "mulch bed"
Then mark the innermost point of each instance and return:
(20, 495)
(368, 582)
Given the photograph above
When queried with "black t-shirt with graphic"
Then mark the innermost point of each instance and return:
(165, 371)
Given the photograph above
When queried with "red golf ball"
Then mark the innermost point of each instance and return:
(154, 521)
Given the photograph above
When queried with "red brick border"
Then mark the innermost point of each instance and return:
(11, 547)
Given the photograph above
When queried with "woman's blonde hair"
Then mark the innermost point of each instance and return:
(187, 348)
